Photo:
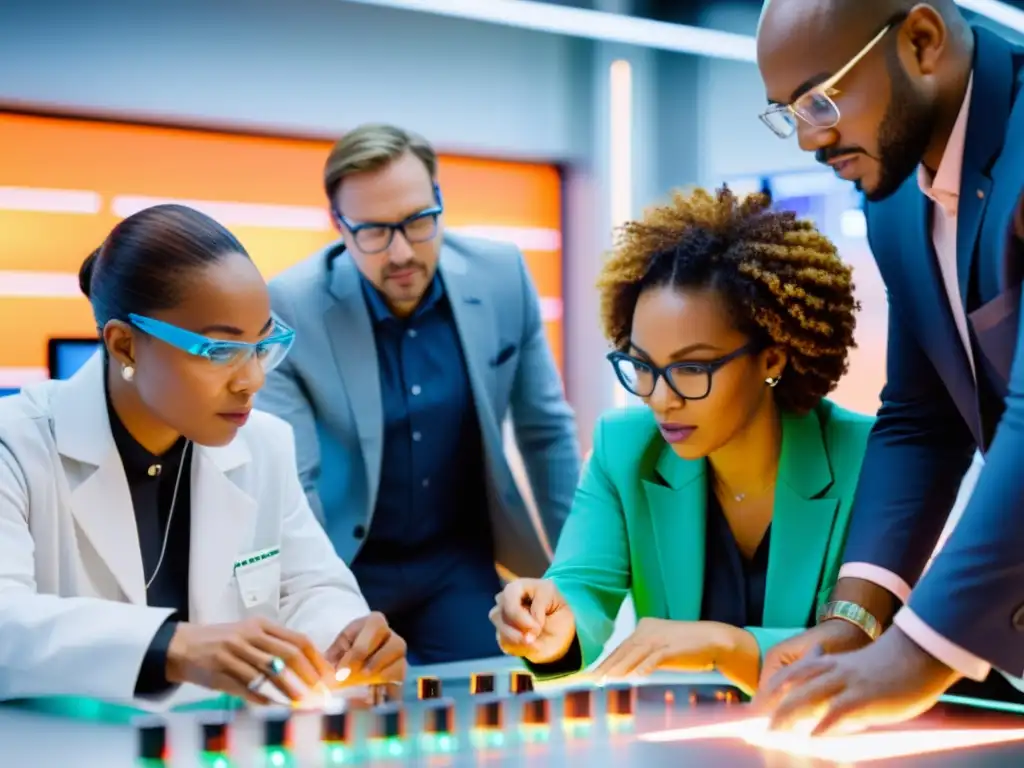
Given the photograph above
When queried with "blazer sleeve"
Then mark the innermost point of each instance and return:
(319, 594)
(284, 394)
(544, 424)
(917, 454)
(60, 646)
(591, 566)
(973, 593)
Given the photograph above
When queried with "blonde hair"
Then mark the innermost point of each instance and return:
(373, 146)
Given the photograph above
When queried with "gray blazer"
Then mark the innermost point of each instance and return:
(328, 389)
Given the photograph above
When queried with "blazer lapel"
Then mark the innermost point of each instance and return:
(678, 509)
(223, 516)
(101, 502)
(355, 353)
(476, 331)
(801, 524)
(991, 100)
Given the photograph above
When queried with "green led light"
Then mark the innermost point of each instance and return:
(487, 738)
(534, 734)
(335, 754)
(997, 706)
(215, 760)
(576, 729)
(151, 762)
(620, 724)
(435, 743)
(385, 748)
(277, 757)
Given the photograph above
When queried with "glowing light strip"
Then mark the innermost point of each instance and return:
(620, 160)
(15, 378)
(587, 23)
(18, 284)
(524, 238)
(1001, 13)
(854, 749)
(40, 200)
(233, 214)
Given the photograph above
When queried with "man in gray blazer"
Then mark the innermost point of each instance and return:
(412, 348)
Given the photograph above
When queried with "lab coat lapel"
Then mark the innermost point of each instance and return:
(101, 502)
(223, 516)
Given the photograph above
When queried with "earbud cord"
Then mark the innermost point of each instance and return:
(170, 516)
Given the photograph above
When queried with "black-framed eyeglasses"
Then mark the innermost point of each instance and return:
(375, 237)
(689, 380)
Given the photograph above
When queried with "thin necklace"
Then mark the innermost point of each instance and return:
(739, 497)
(170, 516)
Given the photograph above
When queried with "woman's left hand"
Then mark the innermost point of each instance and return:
(686, 646)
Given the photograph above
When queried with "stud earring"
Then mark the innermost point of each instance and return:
(772, 381)
(128, 372)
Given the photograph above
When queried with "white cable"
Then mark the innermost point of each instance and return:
(170, 516)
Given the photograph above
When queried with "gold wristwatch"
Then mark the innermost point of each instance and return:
(853, 614)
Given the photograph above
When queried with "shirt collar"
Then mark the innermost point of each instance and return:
(944, 187)
(379, 311)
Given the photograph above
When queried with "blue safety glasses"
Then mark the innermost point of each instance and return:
(227, 354)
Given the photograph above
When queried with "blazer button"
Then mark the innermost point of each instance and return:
(359, 531)
(1018, 619)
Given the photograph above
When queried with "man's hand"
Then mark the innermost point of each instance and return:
(888, 681)
(368, 652)
(832, 636)
(686, 646)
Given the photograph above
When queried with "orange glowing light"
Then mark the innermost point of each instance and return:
(857, 748)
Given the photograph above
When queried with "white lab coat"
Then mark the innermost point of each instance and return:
(73, 613)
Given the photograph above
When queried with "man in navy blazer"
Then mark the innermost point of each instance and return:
(413, 348)
(926, 115)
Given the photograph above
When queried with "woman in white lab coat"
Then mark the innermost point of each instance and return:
(153, 531)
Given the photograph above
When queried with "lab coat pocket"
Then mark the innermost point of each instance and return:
(259, 585)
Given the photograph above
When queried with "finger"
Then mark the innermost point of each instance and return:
(234, 674)
(304, 644)
(620, 665)
(391, 652)
(510, 639)
(810, 666)
(845, 715)
(261, 661)
(373, 634)
(802, 708)
(393, 672)
(517, 606)
(650, 664)
(292, 656)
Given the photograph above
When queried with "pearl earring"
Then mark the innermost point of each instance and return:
(128, 372)
(772, 381)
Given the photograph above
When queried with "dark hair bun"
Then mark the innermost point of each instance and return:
(85, 272)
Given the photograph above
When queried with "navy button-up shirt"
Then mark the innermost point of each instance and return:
(431, 494)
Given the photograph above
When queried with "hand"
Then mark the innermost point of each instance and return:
(889, 681)
(687, 646)
(229, 657)
(533, 621)
(368, 652)
(832, 636)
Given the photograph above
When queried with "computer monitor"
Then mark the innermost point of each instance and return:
(64, 356)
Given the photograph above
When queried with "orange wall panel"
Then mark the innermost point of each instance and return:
(110, 162)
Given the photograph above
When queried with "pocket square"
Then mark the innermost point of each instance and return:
(504, 355)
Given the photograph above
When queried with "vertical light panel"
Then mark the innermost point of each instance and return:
(620, 161)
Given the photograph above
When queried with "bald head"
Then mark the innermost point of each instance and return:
(864, 83)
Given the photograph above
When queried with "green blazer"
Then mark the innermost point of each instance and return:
(638, 517)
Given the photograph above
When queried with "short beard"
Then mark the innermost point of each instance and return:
(903, 136)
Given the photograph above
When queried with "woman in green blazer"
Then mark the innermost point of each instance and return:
(722, 506)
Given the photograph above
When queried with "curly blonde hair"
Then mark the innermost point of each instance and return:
(782, 279)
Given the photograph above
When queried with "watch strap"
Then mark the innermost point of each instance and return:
(853, 614)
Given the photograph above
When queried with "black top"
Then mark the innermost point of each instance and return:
(734, 587)
(151, 481)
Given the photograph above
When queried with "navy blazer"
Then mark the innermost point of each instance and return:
(933, 415)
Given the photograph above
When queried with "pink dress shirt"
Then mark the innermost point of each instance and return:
(944, 192)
